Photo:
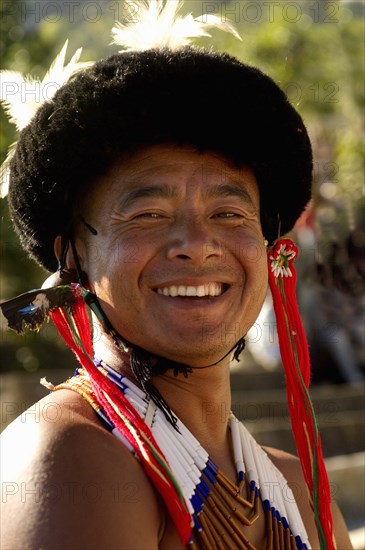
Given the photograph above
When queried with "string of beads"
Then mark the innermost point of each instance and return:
(217, 507)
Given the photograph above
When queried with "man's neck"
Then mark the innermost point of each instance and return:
(202, 401)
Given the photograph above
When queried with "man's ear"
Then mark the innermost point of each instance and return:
(69, 273)
(69, 259)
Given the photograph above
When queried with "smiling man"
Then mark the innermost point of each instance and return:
(176, 233)
(156, 216)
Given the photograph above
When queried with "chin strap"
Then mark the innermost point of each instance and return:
(295, 357)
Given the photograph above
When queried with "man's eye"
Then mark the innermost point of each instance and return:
(149, 215)
(227, 215)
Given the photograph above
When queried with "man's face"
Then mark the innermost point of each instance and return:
(179, 262)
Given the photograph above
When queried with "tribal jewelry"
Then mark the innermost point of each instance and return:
(211, 497)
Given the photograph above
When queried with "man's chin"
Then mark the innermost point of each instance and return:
(196, 358)
(196, 349)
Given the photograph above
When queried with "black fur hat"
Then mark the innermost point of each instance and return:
(187, 96)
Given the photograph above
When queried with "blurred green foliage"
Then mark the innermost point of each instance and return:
(313, 49)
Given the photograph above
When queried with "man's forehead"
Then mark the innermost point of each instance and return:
(173, 161)
(176, 171)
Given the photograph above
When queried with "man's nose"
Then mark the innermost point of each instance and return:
(191, 240)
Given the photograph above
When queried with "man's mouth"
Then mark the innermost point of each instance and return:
(205, 290)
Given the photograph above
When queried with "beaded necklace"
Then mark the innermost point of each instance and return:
(211, 497)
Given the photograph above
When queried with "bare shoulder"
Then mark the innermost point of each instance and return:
(63, 473)
(290, 467)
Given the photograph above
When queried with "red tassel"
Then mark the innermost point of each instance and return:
(176, 507)
(81, 345)
(82, 321)
(295, 357)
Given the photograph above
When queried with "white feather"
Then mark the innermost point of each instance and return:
(19, 96)
(5, 172)
(160, 26)
(215, 21)
(23, 95)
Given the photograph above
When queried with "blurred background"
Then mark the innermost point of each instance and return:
(315, 52)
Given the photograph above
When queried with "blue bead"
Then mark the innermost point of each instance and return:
(209, 475)
(196, 523)
(285, 522)
(205, 486)
(212, 466)
(106, 420)
(203, 490)
(196, 502)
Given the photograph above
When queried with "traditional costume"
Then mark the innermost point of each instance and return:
(158, 90)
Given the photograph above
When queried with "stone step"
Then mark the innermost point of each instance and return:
(329, 401)
(339, 411)
(251, 379)
(18, 391)
(342, 437)
(346, 474)
(357, 537)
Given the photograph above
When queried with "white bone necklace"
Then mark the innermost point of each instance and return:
(211, 497)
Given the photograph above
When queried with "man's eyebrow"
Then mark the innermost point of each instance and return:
(165, 191)
(228, 190)
(130, 197)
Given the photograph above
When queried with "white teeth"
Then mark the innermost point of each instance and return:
(210, 289)
(191, 291)
(201, 291)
